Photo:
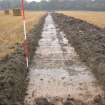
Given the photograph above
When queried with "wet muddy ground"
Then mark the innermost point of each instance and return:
(57, 70)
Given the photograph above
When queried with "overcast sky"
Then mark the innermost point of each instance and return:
(34, 0)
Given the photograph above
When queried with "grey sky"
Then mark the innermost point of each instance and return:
(34, 0)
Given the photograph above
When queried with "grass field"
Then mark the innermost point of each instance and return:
(96, 18)
(11, 30)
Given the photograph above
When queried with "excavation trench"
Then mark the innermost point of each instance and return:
(57, 70)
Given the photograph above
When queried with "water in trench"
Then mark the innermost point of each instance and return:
(57, 70)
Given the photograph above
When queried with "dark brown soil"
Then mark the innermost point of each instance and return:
(37, 89)
(88, 40)
(13, 71)
(98, 100)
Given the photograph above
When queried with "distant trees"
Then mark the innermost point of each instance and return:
(9, 4)
(98, 5)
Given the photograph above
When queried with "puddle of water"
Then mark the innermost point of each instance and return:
(57, 69)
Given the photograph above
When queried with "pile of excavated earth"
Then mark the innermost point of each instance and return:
(88, 41)
(13, 70)
(67, 65)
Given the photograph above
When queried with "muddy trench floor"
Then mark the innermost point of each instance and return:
(57, 74)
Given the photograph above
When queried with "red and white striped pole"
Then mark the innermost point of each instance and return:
(25, 33)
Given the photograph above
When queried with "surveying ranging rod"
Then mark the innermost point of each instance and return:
(25, 34)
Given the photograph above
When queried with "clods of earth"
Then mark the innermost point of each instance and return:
(13, 71)
(66, 65)
(57, 75)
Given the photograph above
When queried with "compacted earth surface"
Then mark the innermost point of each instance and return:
(57, 75)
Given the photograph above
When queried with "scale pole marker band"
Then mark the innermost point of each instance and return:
(25, 34)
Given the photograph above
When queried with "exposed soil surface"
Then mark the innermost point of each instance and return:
(13, 71)
(88, 41)
(58, 74)
(69, 59)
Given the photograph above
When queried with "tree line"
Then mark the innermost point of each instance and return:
(94, 5)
